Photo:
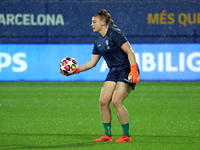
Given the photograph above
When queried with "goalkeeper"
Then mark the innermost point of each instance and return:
(123, 75)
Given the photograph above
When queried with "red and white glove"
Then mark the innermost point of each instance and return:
(133, 76)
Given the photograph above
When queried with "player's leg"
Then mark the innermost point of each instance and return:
(105, 111)
(105, 99)
(121, 91)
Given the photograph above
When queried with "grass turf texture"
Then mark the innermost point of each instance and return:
(65, 115)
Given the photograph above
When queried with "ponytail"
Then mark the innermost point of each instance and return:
(112, 23)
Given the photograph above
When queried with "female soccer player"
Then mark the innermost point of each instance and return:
(123, 72)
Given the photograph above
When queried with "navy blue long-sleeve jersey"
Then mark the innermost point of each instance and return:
(109, 47)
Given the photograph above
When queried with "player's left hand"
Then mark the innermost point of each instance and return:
(133, 76)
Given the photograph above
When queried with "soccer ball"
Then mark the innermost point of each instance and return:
(68, 65)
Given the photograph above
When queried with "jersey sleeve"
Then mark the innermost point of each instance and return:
(95, 50)
(119, 38)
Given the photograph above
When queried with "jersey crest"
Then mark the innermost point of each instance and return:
(107, 44)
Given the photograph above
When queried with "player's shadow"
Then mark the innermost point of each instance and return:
(12, 147)
(21, 146)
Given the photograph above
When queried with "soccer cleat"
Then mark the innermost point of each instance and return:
(104, 138)
(124, 139)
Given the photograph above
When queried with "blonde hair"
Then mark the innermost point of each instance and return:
(105, 16)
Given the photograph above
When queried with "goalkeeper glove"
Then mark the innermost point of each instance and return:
(133, 76)
(75, 71)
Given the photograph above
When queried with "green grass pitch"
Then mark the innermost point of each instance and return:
(65, 115)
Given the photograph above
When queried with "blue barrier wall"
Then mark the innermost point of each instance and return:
(40, 62)
(69, 22)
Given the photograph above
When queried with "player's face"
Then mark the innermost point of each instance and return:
(96, 24)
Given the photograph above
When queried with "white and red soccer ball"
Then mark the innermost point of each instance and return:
(68, 65)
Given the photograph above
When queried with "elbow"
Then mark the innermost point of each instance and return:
(93, 64)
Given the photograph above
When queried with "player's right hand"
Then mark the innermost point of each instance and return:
(63, 73)
(76, 71)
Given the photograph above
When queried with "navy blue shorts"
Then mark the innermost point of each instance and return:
(120, 76)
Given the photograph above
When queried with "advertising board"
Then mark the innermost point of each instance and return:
(40, 62)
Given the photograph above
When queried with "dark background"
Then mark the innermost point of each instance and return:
(130, 16)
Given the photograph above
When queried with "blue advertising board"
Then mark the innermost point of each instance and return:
(40, 62)
(69, 22)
